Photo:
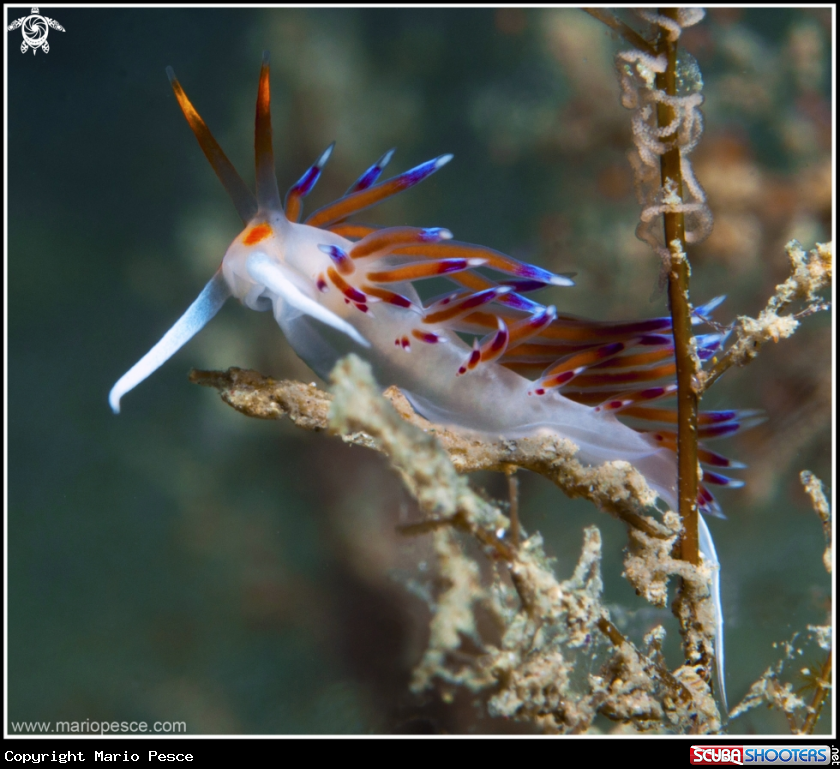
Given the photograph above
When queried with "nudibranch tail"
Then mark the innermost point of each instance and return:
(707, 549)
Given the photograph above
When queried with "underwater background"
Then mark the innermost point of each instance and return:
(183, 562)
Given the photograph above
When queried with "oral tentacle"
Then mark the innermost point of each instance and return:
(269, 273)
(198, 314)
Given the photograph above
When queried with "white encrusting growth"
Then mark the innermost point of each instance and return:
(637, 75)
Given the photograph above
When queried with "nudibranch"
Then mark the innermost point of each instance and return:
(336, 286)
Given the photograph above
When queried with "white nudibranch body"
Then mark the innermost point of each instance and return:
(336, 287)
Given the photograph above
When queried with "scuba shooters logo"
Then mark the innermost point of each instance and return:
(759, 755)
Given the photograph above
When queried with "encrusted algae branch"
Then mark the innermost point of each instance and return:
(810, 273)
(549, 627)
(615, 487)
(552, 632)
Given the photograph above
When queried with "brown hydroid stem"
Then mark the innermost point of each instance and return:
(678, 276)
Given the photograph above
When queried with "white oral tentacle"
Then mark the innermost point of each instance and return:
(198, 314)
(269, 273)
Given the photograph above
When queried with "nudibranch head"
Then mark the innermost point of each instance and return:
(266, 237)
(257, 254)
(277, 263)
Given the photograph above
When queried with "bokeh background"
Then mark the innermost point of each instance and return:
(182, 562)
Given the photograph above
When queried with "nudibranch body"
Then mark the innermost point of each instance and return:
(336, 286)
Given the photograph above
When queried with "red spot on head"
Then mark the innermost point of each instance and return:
(322, 284)
(539, 391)
(256, 234)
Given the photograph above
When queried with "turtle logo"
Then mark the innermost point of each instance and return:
(35, 31)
